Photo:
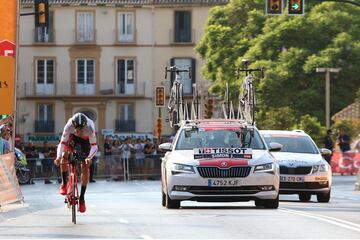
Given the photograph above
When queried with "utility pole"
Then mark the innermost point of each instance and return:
(327, 72)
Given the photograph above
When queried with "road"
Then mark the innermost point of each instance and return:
(133, 210)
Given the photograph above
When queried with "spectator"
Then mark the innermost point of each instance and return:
(5, 138)
(329, 144)
(125, 155)
(357, 144)
(139, 156)
(116, 153)
(93, 166)
(343, 140)
(47, 161)
(108, 155)
(31, 156)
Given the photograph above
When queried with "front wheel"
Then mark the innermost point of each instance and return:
(172, 204)
(74, 201)
(271, 203)
(323, 197)
(304, 197)
(23, 176)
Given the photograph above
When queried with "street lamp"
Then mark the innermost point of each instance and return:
(327, 72)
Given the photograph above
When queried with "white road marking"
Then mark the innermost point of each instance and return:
(146, 237)
(121, 220)
(331, 220)
(105, 211)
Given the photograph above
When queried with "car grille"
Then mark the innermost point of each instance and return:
(215, 172)
(304, 185)
(199, 190)
(297, 170)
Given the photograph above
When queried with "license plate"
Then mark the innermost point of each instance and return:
(223, 182)
(291, 179)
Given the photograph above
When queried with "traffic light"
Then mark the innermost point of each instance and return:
(274, 7)
(41, 13)
(160, 96)
(296, 7)
(209, 108)
(158, 127)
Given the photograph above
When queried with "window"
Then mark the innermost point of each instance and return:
(44, 76)
(126, 121)
(85, 84)
(185, 63)
(44, 122)
(126, 27)
(85, 27)
(45, 35)
(182, 26)
(45, 112)
(126, 112)
(125, 76)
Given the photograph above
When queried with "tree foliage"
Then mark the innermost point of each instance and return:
(290, 48)
(311, 125)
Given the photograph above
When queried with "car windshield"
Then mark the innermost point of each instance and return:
(189, 140)
(295, 144)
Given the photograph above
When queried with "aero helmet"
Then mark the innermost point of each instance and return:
(79, 121)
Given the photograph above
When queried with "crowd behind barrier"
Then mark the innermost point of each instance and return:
(113, 168)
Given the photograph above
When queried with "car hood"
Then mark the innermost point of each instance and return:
(298, 159)
(187, 157)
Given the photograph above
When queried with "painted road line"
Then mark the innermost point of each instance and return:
(146, 237)
(121, 220)
(105, 211)
(331, 220)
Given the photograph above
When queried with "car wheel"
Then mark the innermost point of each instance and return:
(172, 204)
(259, 203)
(304, 197)
(163, 198)
(323, 197)
(272, 203)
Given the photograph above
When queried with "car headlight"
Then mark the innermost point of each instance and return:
(268, 168)
(177, 168)
(320, 168)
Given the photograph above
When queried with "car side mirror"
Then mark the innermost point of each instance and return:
(275, 147)
(165, 146)
(325, 152)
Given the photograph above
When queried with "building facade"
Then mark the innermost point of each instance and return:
(104, 58)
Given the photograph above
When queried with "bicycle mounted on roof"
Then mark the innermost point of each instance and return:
(247, 100)
(176, 101)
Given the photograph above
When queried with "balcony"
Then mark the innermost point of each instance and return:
(125, 39)
(44, 126)
(125, 125)
(64, 89)
(181, 41)
(85, 37)
(40, 37)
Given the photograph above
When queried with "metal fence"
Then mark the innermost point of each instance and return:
(111, 168)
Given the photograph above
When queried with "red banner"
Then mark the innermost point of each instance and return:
(9, 186)
(347, 163)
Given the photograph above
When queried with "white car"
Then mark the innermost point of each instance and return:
(303, 170)
(219, 161)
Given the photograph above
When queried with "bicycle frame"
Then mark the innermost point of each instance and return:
(72, 197)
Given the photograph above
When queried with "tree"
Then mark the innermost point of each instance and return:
(311, 125)
(290, 48)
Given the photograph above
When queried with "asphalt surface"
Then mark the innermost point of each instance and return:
(132, 210)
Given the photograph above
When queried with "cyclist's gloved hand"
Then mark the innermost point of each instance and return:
(88, 161)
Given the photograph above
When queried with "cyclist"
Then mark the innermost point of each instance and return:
(78, 130)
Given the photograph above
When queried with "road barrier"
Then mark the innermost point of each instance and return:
(345, 163)
(9, 187)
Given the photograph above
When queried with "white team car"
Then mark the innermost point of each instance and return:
(303, 170)
(219, 161)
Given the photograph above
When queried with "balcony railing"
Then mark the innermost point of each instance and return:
(125, 125)
(85, 37)
(107, 88)
(173, 40)
(44, 126)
